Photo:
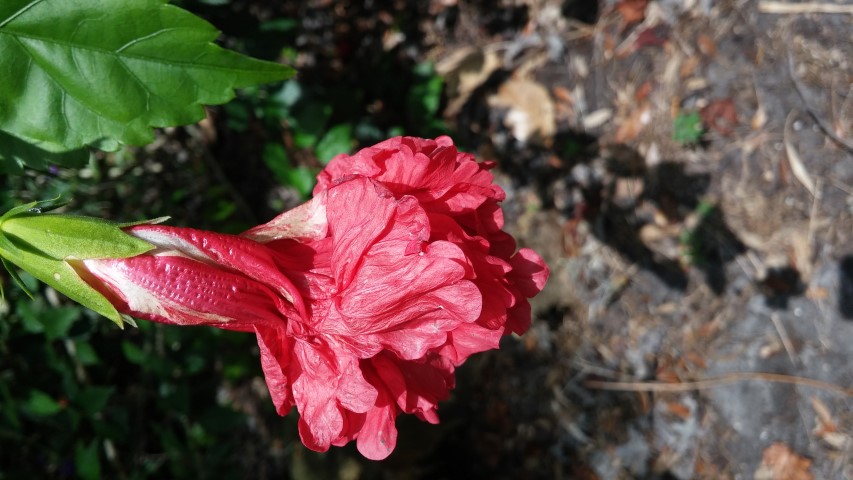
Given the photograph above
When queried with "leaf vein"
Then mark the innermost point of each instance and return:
(166, 62)
(20, 12)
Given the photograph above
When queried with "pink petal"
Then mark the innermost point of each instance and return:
(469, 339)
(305, 222)
(275, 361)
(529, 272)
(378, 435)
(314, 384)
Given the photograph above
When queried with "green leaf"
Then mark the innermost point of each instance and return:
(40, 404)
(300, 178)
(337, 140)
(687, 128)
(279, 25)
(85, 353)
(132, 353)
(87, 461)
(93, 399)
(309, 123)
(57, 321)
(16, 154)
(425, 96)
(106, 71)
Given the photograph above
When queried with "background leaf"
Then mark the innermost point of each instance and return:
(87, 461)
(40, 404)
(107, 71)
(337, 140)
(16, 153)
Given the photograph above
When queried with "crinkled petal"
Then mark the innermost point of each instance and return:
(303, 223)
(275, 361)
(314, 384)
(378, 435)
(529, 272)
(469, 339)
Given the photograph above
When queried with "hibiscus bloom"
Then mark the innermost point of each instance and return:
(364, 300)
(462, 201)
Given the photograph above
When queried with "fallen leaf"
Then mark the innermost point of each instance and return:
(562, 94)
(574, 236)
(679, 410)
(597, 118)
(759, 119)
(817, 293)
(652, 37)
(643, 92)
(720, 115)
(706, 45)
(463, 71)
(632, 11)
(631, 127)
(688, 67)
(779, 462)
(530, 114)
(822, 411)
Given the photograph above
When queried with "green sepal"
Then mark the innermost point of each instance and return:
(60, 275)
(61, 236)
(15, 278)
(47, 244)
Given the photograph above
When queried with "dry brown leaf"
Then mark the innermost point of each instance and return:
(821, 410)
(574, 236)
(817, 293)
(631, 127)
(530, 114)
(679, 410)
(463, 71)
(632, 11)
(564, 103)
(562, 94)
(779, 462)
(688, 67)
(706, 45)
(720, 115)
(643, 91)
(759, 119)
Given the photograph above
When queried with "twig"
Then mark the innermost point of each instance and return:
(806, 7)
(783, 335)
(826, 129)
(714, 382)
(794, 160)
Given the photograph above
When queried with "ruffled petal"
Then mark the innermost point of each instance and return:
(275, 361)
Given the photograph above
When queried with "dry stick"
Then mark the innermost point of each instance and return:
(783, 335)
(824, 127)
(713, 382)
(807, 7)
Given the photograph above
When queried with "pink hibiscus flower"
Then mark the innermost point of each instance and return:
(364, 300)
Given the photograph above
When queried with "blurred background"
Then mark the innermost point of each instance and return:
(685, 168)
